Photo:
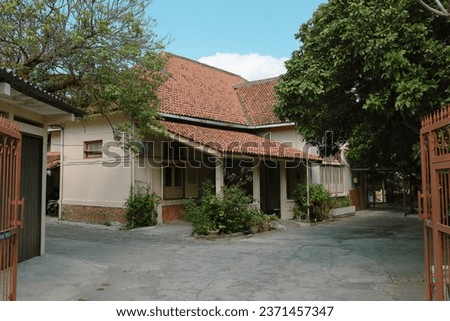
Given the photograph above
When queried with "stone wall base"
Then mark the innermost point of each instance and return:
(93, 214)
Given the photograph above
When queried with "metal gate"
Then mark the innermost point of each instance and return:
(10, 205)
(434, 202)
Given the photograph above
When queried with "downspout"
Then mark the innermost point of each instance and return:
(131, 160)
(61, 176)
(307, 187)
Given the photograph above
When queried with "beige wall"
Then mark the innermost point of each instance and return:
(285, 134)
(54, 144)
(93, 181)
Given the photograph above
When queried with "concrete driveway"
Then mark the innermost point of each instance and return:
(375, 255)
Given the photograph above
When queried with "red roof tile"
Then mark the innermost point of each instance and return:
(236, 142)
(200, 91)
(258, 99)
(53, 159)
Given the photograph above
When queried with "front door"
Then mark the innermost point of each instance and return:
(270, 187)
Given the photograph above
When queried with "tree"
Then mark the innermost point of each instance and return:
(438, 9)
(99, 55)
(368, 70)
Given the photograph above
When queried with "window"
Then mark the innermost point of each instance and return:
(93, 149)
(173, 182)
(332, 178)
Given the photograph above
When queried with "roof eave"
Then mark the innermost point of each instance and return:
(37, 93)
(204, 121)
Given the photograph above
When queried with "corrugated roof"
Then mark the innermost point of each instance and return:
(31, 90)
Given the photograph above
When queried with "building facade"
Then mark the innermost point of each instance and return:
(218, 126)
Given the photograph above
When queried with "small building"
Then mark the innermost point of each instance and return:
(218, 124)
(34, 110)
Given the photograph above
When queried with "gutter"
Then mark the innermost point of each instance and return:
(222, 124)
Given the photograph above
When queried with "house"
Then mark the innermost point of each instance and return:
(218, 123)
(33, 111)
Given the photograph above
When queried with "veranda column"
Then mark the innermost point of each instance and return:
(283, 191)
(257, 183)
(219, 176)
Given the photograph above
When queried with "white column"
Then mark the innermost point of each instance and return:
(257, 184)
(157, 184)
(283, 191)
(219, 176)
(44, 187)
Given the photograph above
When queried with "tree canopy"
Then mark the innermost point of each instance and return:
(99, 55)
(368, 70)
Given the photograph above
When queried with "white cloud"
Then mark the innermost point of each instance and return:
(250, 66)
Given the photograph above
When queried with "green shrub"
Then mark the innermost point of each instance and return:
(141, 208)
(256, 217)
(337, 202)
(202, 215)
(229, 213)
(234, 213)
(319, 202)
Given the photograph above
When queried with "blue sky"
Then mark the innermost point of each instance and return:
(249, 37)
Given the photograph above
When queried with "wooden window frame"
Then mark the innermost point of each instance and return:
(172, 190)
(92, 153)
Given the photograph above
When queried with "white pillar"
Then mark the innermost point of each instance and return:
(219, 176)
(257, 184)
(157, 184)
(283, 191)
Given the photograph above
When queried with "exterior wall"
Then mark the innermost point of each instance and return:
(93, 182)
(284, 134)
(54, 143)
(94, 190)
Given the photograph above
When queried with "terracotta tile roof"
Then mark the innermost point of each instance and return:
(258, 99)
(236, 142)
(198, 90)
(53, 159)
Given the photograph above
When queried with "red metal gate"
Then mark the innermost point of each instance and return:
(434, 202)
(10, 205)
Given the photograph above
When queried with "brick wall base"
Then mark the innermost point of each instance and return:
(93, 214)
(172, 212)
(354, 197)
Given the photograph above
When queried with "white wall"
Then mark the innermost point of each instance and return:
(93, 181)
(54, 145)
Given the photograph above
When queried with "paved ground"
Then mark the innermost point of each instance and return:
(375, 255)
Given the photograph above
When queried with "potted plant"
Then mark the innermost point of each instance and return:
(266, 221)
(256, 220)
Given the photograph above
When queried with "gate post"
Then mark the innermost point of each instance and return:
(434, 202)
(10, 205)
